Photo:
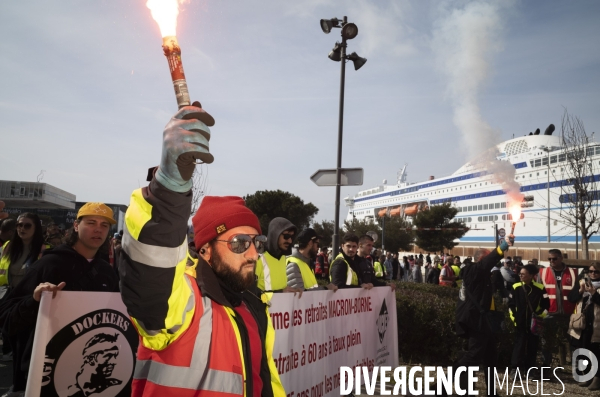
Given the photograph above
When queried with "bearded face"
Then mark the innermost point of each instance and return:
(238, 277)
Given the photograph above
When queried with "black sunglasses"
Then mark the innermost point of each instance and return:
(594, 271)
(25, 226)
(240, 243)
(287, 236)
(552, 259)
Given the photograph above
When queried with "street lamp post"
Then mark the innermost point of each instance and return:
(338, 54)
(383, 234)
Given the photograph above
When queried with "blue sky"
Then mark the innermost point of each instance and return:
(85, 90)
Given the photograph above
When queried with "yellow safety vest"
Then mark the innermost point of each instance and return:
(308, 277)
(456, 270)
(351, 276)
(4, 265)
(270, 272)
(5, 262)
(378, 269)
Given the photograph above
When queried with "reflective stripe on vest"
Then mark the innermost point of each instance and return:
(544, 314)
(351, 276)
(549, 282)
(197, 376)
(308, 277)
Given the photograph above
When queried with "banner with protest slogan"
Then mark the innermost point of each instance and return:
(84, 345)
(321, 331)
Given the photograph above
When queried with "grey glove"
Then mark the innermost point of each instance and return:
(185, 140)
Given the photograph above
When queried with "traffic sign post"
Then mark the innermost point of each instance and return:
(348, 177)
(338, 177)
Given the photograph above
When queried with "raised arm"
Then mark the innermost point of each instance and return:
(154, 287)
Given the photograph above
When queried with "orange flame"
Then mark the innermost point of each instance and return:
(515, 210)
(165, 14)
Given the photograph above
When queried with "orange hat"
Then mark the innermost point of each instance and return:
(97, 209)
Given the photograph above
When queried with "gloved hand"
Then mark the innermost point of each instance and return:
(507, 242)
(185, 140)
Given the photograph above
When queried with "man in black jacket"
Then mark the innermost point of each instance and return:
(68, 267)
(344, 270)
(364, 263)
(476, 296)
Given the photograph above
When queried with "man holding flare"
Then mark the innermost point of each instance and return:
(209, 335)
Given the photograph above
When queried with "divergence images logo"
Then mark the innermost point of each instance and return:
(92, 356)
(585, 365)
(382, 321)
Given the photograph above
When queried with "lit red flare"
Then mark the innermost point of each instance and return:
(165, 14)
(173, 54)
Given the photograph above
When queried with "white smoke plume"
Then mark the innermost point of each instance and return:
(464, 40)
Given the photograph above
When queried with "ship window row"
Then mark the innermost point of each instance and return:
(543, 161)
(489, 218)
(494, 218)
(482, 207)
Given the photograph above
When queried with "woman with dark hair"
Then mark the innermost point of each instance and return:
(586, 331)
(22, 250)
(525, 299)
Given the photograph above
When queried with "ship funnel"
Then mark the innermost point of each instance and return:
(537, 132)
(549, 130)
(431, 177)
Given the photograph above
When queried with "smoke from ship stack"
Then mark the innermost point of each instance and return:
(549, 130)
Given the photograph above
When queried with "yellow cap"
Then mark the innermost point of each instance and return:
(97, 209)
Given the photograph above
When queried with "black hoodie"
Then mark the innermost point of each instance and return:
(63, 263)
(276, 227)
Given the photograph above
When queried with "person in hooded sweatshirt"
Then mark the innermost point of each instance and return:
(271, 265)
(69, 267)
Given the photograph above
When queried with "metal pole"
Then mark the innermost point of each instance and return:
(577, 227)
(336, 237)
(383, 236)
(548, 190)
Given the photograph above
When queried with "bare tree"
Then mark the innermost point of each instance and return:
(199, 185)
(579, 198)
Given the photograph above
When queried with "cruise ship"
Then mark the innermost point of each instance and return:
(540, 162)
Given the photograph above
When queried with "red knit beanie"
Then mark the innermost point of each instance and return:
(216, 215)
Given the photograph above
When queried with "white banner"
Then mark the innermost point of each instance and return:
(322, 331)
(84, 344)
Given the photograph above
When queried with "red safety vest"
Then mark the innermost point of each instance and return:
(325, 270)
(450, 275)
(204, 361)
(569, 279)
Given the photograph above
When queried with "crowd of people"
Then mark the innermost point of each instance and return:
(209, 290)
